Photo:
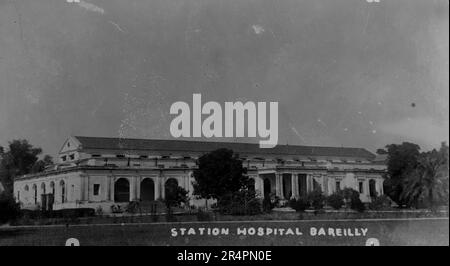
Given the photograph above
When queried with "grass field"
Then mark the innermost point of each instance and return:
(416, 231)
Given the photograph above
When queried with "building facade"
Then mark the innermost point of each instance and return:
(94, 172)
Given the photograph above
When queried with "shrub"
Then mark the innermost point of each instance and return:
(132, 207)
(316, 199)
(379, 202)
(175, 195)
(298, 205)
(99, 211)
(357, 205)
(352, 196)
(116, 209)
(267, 204)
(335, 200)
(242, 202)
(9, 209)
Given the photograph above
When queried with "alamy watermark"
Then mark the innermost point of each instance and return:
(224, 123)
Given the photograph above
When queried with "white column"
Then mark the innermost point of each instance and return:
(132, 189)
(308, 182)
(294, 186)
(378, 186)
(111, 188)
(279, 185)
(138, 187)
(157, 187)
(162, 187)
(325, 184)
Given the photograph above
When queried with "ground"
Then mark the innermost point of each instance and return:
(409, 231)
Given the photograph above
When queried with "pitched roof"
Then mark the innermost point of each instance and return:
(127, 144)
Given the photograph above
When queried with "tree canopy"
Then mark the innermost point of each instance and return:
(402, 159)
(428, 184)
(416, 179)
(219, 172)
(21, 158)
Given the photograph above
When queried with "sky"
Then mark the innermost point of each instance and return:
(353, 73)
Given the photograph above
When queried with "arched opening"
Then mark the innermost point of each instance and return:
(35, 193)
(52, 188)
(42, 188)
(372, 188)
(62, 185)
(267, 187)
(251, 184)
(122, 190)
(302, 186)
(147, 190)
(43, 197)
(287, 186)
(170, 187)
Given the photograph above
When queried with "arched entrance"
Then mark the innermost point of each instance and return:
(122, 190)
(35, 193)
(287, 186)
(302, 186)
(372, 188)
(147, 190)
(170, 187)
(62, 185)
(267, 187)
(251, 184)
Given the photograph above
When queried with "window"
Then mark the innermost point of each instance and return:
(96, 155)
(361, 187)
(338, 186)
(96, 189)
(63, 158)
(72, 156)
(120, 156)
(63, 191)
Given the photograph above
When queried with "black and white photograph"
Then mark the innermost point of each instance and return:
(224, 123)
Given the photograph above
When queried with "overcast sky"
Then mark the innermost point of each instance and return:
(345, 73)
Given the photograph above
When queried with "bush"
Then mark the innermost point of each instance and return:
(335, 200)
(99, 211)
(379, 202)
(352, 196)
(132, 207)
(243, 202)
(267, 204)
(316, 199)
(298, 205)
(9, 209)
(175, 195)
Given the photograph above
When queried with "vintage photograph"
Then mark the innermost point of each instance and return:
(224, 123)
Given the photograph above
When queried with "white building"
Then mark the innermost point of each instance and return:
(94, 171)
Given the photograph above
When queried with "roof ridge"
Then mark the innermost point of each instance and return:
(221, 142)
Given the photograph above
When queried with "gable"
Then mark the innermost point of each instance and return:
(71, 144)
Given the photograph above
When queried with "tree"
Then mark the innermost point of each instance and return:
(40, 165)
(219, 172)
(20, 159)
(175, 195)
(402, 160)
(427, 185)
